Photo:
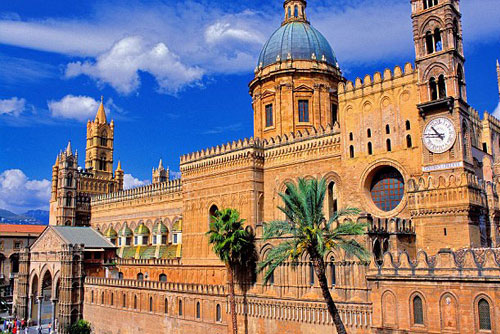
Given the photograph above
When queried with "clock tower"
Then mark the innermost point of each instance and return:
(447, 206)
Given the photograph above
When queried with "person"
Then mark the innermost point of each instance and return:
(50, 327)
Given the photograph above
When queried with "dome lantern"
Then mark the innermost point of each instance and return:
(295, 10)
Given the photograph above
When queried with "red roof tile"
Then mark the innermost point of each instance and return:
(13, 228)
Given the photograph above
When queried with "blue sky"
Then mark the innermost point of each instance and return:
(174, 74)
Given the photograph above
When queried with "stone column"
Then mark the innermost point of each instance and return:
(30, 300)
(53, 320)
(40, 302)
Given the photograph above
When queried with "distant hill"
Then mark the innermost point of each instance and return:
(34, 217)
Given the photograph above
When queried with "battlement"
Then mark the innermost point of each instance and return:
(257, 143)
(218, 290)
(148, 262)
(388, 226)
(150, 190)
(368, 82)
(447, 182)
(492, 120)
(466, 263)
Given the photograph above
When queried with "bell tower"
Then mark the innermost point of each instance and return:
(99, 152)
(437, 32)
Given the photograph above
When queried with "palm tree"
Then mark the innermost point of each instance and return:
(230, 241)
(306, 231)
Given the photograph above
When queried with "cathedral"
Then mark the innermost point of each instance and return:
(403, 146)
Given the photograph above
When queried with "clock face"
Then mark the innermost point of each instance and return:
(439, 135)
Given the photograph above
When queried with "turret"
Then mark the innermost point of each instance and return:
(161, 174)
(119, 176)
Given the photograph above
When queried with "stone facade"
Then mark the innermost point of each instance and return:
(433, 213)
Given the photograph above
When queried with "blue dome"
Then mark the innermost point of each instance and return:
(299, 40)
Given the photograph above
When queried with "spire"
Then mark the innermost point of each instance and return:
(101, 114)
(119, 167)
(160, 166)
(295, 10)
(498, 78)
(69, 150)
(57, 160)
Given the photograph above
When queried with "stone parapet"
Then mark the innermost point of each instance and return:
(148, 262)
(169, 187)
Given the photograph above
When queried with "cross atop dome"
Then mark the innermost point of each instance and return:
(295, 11)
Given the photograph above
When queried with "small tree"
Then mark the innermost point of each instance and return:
(306, 231)
(230, 242)
(80, 327)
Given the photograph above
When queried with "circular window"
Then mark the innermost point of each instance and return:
(387, 188)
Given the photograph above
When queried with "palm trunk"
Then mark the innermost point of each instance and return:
(232, 298)
(319, 268)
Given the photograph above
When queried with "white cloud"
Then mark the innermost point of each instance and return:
(130, 182)
(120, 66)
(496, 113)
(13, 106)
(80, 108)
(18, 193)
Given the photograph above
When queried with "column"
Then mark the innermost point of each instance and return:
(40, 302)
(53, 321)
(30, 300)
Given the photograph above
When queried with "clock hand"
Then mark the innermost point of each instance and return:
(440, 135)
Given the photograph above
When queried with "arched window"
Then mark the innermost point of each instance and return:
(112, 302)
(102, 163)
(92, 296)
(135, 302)
(438, 43)
(483, 308)
(163, 278)
(332, 199)
(180, 307)
(369, 133)
(351, 151)
(456, 34)
(289, 12)
(461, 82)
(296, 11)
(370, 148)
(104, 139)
(433, 90)
(387, 129)
(102, 298)
(409, 144)
(333, 275)
(150, 304)
(198, 310)
(218, 313)
(442, 87)
(212, 212)
(429, 42)
(69, 199)
(69, 180)
(165, 310)
(271, 278)
(351, 136)
(311, 274)
(124, 300)
(408, 125)
(418, 311)
(140, 277)
(120, 275)
(388, 144)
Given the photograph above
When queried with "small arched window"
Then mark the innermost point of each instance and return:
(150, 304)
(112, 299)
(433, 90)
(335, 115)
(135, 302)
(198, 310)
(104, 139)
(389, 145)
(120, 274)
(296, 11)
(92, 296)
(332, 199)
(69, 199)
(409, 143)
(429, 42)
(418, 311)
(483, 308)
(69, 180)
(212, 213)
(271, 278)
(124, 300)
(369, 133)
(408, 125)
(311, 274)
(165, 310)
(370, 148)
(163, 278)
(388, 129)
(351, 151)
(351, 136)
(442, 87)
(456, 34)
(269, 115)
(140, 277)
(180, 307)
(218, 313)
(289, 12)
(438, 43)
(461, 81)
(333, 275)
(102, 163)
(102, 298)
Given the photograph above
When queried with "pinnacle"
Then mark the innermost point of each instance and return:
(69, 150)
(101, 113)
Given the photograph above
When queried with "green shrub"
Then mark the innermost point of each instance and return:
(80, 327)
